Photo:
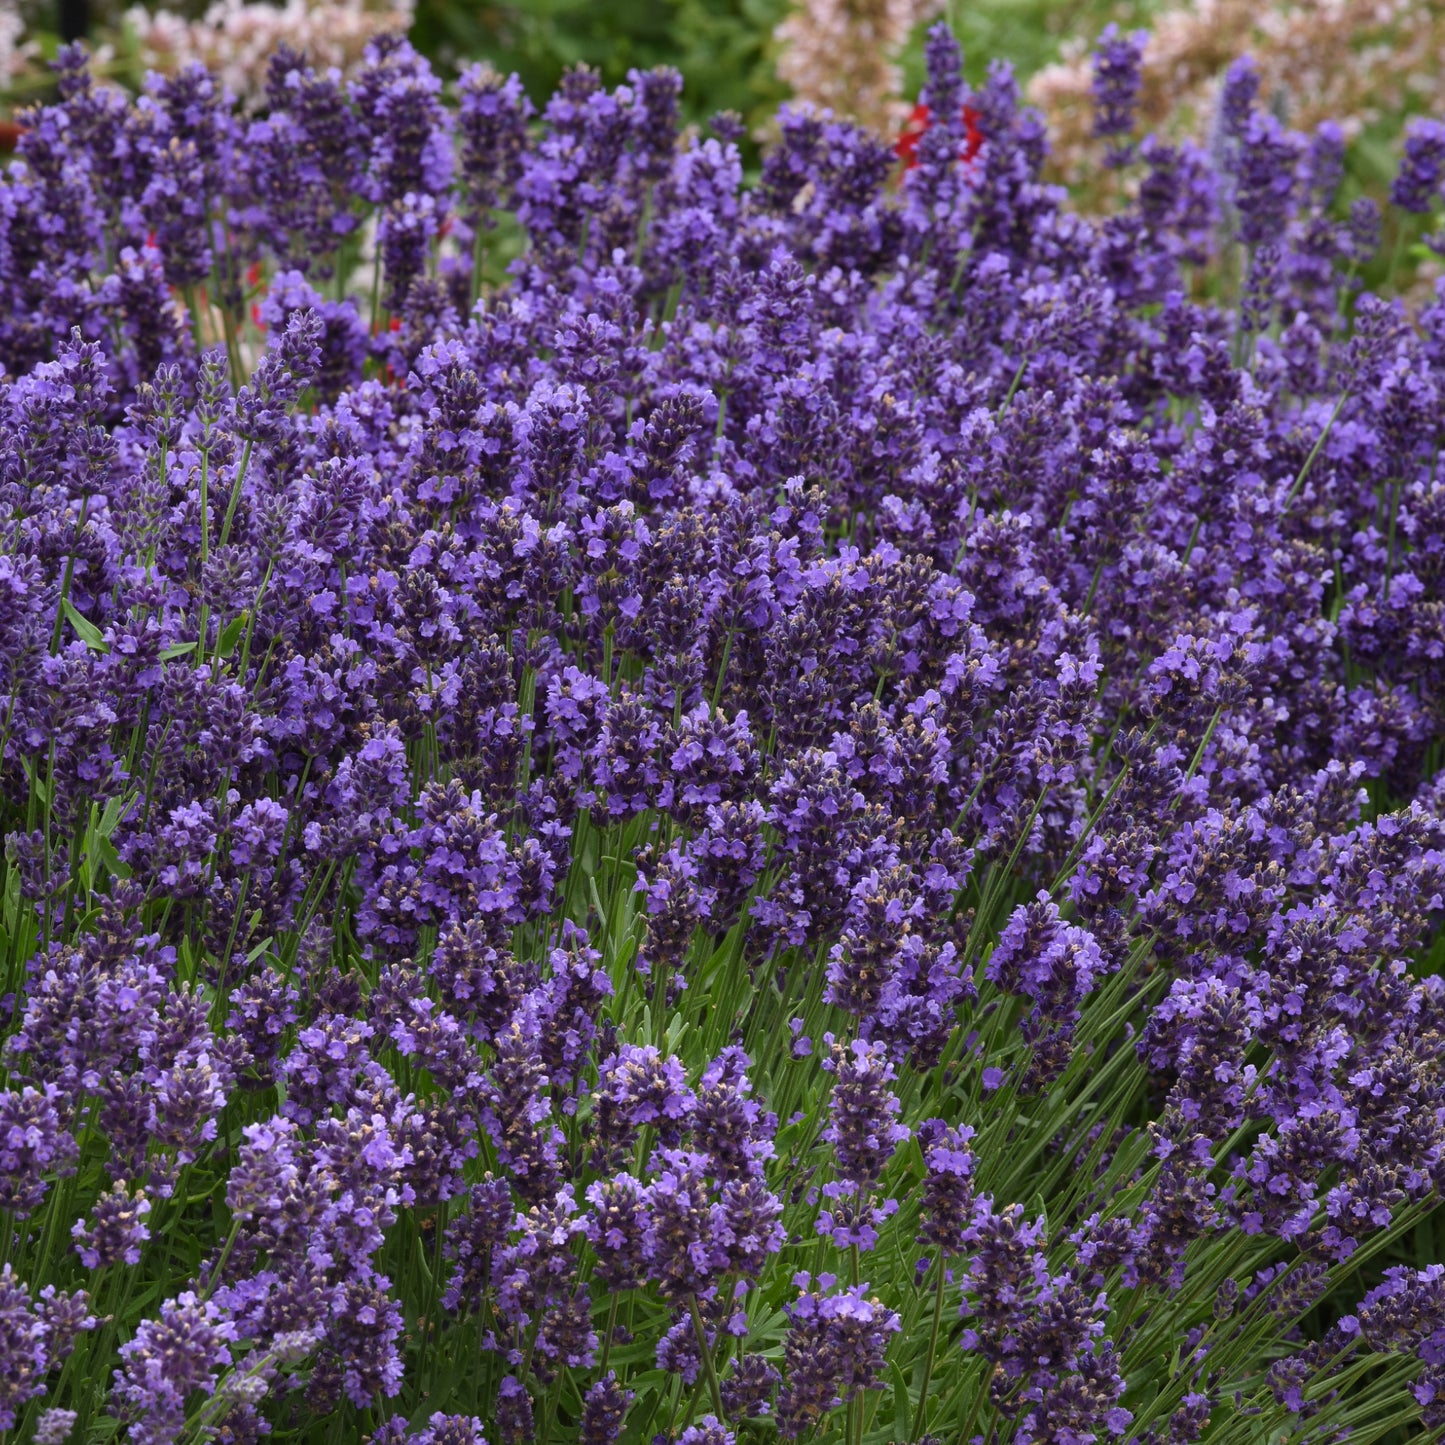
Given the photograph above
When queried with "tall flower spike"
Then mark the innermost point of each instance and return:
(604, 1408)
(947, 1187)
(835, 1347)
(1117, 83)
(1416, 186)
(116, 1230)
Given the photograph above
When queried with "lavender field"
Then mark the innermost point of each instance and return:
(646, 802)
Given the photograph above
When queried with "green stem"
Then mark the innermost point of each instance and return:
(932, 1349)
(1203, 743)
(1310, 460)
(479, 256)
(235, 497)
(1395, 489)
(966, 1433)
(706, 1352)
(611, 1330)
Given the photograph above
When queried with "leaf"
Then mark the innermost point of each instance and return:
(115, 809)
(38, 785)
(105, 854)
(86, 630)
(900, 1401)
(177, 649)
(12, 899)
(1040, 1211)
(232, 633)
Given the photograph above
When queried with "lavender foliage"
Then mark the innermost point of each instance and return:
(637, 807)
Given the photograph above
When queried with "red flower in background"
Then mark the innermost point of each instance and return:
(256, 282)
(906, 146)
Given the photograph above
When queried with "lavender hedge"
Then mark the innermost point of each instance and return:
(820, 816)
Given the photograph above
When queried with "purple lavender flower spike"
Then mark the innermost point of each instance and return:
(1116, 85)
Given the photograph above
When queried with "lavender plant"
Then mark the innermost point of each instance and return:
(819, 815)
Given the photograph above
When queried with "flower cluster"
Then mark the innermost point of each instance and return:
(636, 806)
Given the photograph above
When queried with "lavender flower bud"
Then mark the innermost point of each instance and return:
(947, 1193)
(708, 1431)
(604, 1408)
(1416, 186)
(116, 1230)
(1116, 85)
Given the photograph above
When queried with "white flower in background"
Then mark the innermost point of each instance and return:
(843, 54)
(235, 38)
(1351, 61)
(16, 55)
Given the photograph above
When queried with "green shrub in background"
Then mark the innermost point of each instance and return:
(725, 48)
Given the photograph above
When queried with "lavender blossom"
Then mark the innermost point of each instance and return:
(1422, 167)
(603, 630)
(1116, 86)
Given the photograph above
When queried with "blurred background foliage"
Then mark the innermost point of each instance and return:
(726, 49)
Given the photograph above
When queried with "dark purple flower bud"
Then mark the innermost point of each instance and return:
(604, 1407)
(728, 1124)
(1264, 170)
(947, 1190)
(34, 1335)
(1261, 287)
(835, 1347)
(1116, 85)
(342, 343)
(637, 1087)
(292, 360)
(330, 1067)
(171, 1355)
(360, 1357)
(267, 1170)
(450, 1430)
(492, 116)
(514, 1413)
(616, 1225)
(1324, 164)
(863, 1111)
(34, 1147)
(749, 1219)
(1045, 959)
(685, 1241)
(405, 235)
(944, 61)
(54, 1426)
(174, 210)
(677, 1349)
(263, 1008)
(1237, 96)
(747, 1390)
(116, 1229)
(399, 100)
(536, 1279)
(708, 1431)
(475, 1239)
